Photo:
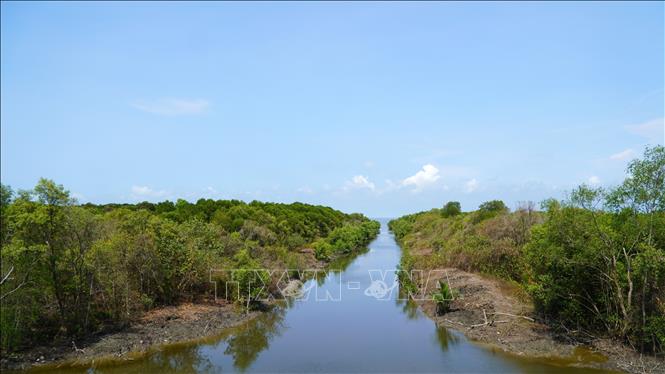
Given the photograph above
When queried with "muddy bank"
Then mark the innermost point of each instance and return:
(156, 329)
(159, 327)
(490, 312)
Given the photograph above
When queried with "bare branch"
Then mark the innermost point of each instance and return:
(4, 279)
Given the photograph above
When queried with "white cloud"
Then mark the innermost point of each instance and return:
(173, 107)
(594, 180)
(623, 155)
(143, 192)
(208, 192)
(653, 130)
(423, 178)
(359, 182)
(471, 185)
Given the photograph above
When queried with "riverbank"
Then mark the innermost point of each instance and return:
(160, 328)
(491, 312)
(157, 328)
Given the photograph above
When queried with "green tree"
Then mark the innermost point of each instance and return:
(493, 206)
(250, 277)
(68, 269)
(451, 209)
(6, 195)
(599, 259)
(50, 218)
(490, 209)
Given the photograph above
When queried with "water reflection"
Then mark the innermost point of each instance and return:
(340, 264)
(182, 361)
(355, 333)
(337, 266)
(446, 338)
(408, 306)
(246, 345)
(173, 359)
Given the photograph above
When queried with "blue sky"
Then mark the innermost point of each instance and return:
(381, 108)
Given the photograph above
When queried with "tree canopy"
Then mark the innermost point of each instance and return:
(594, 262)
(71, 269)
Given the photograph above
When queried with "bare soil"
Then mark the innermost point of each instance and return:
(489, 311)
(159, 327)
(155, 329)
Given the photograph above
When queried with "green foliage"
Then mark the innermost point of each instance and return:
(492, 206)
(443, 298)
(404, 225)
(408, 287)
(252, 280)
(489, 246)
(70, 269)
(323, 250)
(490, 209)
(6, 195)
(346, 239)
(598, 261)
(451, 209)
(644, 189)
(595, 262)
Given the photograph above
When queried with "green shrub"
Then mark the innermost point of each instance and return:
(490, 209)
(76, 268)
(451, 209)
(323, 250)
(408, 287)
(252, 280)
(593, 263)
(443, 298)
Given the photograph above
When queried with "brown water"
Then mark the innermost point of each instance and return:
(355, 333)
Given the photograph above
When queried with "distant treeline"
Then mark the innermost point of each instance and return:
(69, 269)
(594, 263)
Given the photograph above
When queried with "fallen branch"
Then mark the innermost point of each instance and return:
(513, 315)
(76, 349)
(482, 324)
(490, 323)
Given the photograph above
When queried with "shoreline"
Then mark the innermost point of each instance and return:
(487, 313)
(510, 328)
(157, 330)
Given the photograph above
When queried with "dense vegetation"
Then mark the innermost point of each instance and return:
(593, 263)
(70, 269)
(343, 240)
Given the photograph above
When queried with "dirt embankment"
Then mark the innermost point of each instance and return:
(488, 311)
(156, 328)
